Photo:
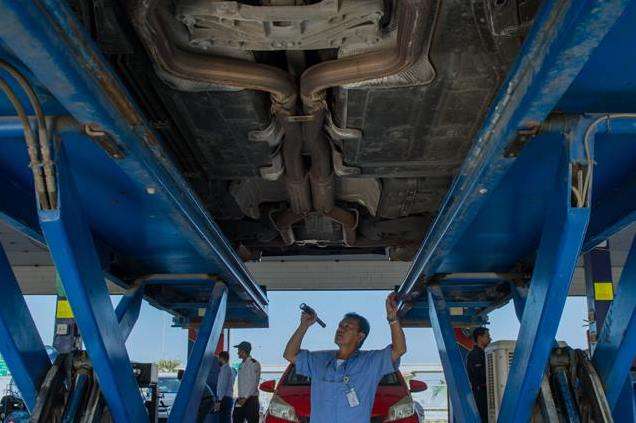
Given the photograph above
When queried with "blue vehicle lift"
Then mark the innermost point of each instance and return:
(551, 174)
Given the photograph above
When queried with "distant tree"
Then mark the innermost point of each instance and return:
(168, 366)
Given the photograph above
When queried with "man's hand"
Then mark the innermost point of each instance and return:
(398, 341)
(217, 407)
(307, 319)
(391, 307)
(241, 401)
(293, 345)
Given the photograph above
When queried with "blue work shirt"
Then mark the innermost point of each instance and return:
(364, 370)
(225, 386)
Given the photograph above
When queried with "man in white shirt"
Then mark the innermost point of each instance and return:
(225, 389)
(247, 407)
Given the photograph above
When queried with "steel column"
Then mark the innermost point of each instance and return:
(616, 346)
(20, 342)
(559, 249)
(462, 399)
(128, 309)
(519, 297)
(625, 411)
(599, 288)
(71, 245)
(200, 362)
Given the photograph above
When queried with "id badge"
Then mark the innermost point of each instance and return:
(352, 398)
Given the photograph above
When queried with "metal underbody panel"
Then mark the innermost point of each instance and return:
(407, 152)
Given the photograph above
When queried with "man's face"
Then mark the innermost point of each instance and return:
(348, 333)
(243, 354)
(484, 339)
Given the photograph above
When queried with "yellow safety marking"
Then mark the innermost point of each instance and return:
(603, 291)
(63, 310)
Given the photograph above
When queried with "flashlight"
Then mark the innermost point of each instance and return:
(304, 307)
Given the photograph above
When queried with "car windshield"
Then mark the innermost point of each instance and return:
(168, 384)
(294, 379)
(390, 380)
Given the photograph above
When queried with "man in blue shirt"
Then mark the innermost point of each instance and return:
(225, 389)
(344, 381)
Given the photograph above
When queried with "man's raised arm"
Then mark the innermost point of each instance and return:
(293, 345)
(398, 340)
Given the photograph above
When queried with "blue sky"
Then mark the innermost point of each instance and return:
(153, 337)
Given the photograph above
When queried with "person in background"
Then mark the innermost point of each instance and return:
(225, 389)
(247, 407)
(476, 368)
(344, 381)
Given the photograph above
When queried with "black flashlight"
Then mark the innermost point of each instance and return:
(304, 307)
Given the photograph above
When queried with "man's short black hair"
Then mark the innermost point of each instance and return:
(363, 324)
(224, 356)
(479, 332)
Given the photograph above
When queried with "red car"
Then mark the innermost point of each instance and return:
(291, 401)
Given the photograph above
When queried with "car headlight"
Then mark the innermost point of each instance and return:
(280, 409)
(400, 410)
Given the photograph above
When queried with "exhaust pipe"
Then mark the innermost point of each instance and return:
(225, 71)
(316, 80)
(279, 84)
(364, 67)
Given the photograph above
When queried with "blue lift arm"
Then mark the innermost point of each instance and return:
(71, 245)
(186, 404)
(561, 241)
(128, 309)
(459, 388)
(616, 348)
(20, 342)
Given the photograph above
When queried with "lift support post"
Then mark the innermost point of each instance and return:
(461, 394)
(71, 245)
(200, 362)
(20, 343)
(616, 347)
(128, 309)
(561, 241)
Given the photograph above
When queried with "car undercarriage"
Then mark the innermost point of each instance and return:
(314, 127)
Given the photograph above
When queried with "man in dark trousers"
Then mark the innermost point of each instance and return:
(476, 367)
(247, 407)
(225, 389)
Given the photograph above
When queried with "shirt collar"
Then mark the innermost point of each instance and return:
(334, 357)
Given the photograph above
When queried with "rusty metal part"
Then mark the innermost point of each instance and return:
(323, 192)
(322, 178)
(212, 69)
(349, 222)
(233, 73)
(410, 44)
(326, 24)
(104, 140)
(283, 223)
(296, 180)
(363, 191)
